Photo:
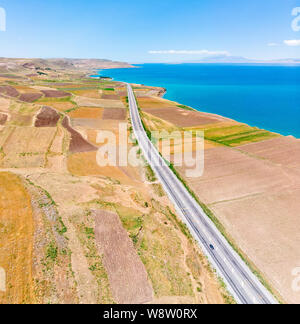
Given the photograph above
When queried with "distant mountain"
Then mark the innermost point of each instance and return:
(242, 60)
(56, 64)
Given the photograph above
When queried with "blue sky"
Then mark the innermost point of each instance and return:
(130, 30)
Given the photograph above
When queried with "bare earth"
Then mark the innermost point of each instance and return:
(259, 209)
(130, 284)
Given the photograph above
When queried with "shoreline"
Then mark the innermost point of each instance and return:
(206, 112)
(278, 132)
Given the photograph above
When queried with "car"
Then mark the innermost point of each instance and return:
(211, 246)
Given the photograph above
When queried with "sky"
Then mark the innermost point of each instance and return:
(139, 31)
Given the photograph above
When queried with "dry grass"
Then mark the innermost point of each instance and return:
(26, 147)
(25, 89)
(16, 240)
(61, 106)
(87, 112)
(154, 102)
(104, 103)
(88, 93)
(85, 164)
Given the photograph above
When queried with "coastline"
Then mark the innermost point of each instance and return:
(164, 92)
(226, 97)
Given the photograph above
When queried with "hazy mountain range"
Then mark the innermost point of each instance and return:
(242, 60)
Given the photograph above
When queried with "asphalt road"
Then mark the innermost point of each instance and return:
(240, 281)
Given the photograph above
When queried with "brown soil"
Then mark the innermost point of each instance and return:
(78, 143)
(55, 94)
(9, 91)
(127, 274)
(259, 209)
(30, 97)
(181, 117)
(114, 114)
(48, 117)
(122, 93)
(3, 119)
(282, 151)
(110, 97)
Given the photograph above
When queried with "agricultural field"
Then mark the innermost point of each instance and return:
(250, 183)
(89, 234)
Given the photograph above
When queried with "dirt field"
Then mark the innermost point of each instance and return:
(181, 117)
(55, 94)
(48, 117)
(103, 103)
(115, 114)
(30, 97)
(85, 164)
(61, 106)
(9, 91)
(110, 97)
(154, 102)
(87, 112)
(259, 209)
(16, 240)
(127, 274)
(77, 143)
(88, 93)
(284, 151)
(30, 151)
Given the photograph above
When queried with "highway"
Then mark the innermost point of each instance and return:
(239, 279)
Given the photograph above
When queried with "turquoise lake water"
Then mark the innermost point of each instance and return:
(260, 95)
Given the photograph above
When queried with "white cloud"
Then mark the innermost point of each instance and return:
(292, 42)
(273, 44)
(186, 52)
